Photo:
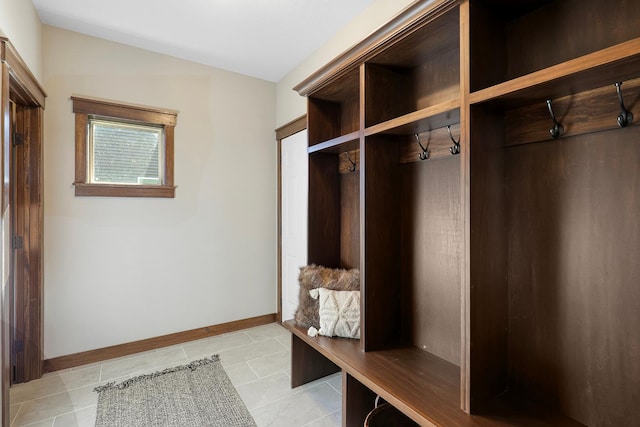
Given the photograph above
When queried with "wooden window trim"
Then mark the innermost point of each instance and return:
(84, 107)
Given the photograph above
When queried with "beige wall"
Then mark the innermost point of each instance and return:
(20, 23)
(289, 104)
(118, 269)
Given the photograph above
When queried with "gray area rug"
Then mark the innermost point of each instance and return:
(199, 394)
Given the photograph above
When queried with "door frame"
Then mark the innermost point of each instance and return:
(18, 85)
(283, 132)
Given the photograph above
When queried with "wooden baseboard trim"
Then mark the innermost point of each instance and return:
(100, 354)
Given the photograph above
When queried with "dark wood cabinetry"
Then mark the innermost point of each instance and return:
(501, 285)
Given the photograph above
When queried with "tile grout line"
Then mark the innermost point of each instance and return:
(337, 391)
(287, 397)
(324, 416)
(11, 423)
(220, 351)
(71, 412)
(101, 368)
(66, 390)
(253, 370)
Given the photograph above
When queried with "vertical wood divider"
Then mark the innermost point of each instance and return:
(465, 147)
(363, 207)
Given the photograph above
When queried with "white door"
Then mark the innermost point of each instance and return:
(294, 170)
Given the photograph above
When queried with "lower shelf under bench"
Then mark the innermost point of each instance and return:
(424, 387)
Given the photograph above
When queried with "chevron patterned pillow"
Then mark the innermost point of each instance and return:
(339, 313)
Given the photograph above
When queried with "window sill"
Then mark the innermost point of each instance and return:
(114, 190)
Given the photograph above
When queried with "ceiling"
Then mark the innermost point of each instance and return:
(259, 38)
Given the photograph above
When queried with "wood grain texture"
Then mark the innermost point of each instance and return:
(335, 110)
(360, 401)
(101, 354)
(307, 364)
(586, 112)
(324, 210)
(488, 290)
(28, 223)
(424, 43)
(488, 66)
(117, 109)
(24, 166)
(559, 31)
(350, 220)
(574, 297)
(431, 243)
(380, 200)
(339, 144)
(324, 121)
(81, 123)
(388, 93)
(84, 108)
(486, 47)
(345, 164)
(393, 92)
(597, 69)
(421, 385)
(24, 84)
(113, 190)
(466, 27)
(291, 128)
(402, 25)
(6, 283)
(437, 141)
(18, 226)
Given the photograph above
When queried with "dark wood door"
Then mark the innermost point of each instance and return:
(26, 228)
(19, 86)
(5, 244)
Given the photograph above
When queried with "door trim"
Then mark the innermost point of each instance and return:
(20, 86)
(283, 132)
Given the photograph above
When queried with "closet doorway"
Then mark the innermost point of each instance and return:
(292, 213)
(21, 223)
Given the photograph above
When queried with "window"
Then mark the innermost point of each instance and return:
(123, 150)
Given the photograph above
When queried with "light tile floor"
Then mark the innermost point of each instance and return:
(257, 360)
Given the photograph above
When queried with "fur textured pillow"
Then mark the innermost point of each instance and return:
(314, 276)
(339, 313)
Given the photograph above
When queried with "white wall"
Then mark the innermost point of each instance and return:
(20, 23)
(119, 269)
(289, 104)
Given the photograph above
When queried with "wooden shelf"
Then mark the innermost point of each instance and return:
(339, 144)
(459, 256)
(434, 117)
(423, 386)
(607, 66)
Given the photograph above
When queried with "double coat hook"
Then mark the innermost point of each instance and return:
(352, 166)
(424, 155)
(455, 149)
(625, 118)
(557, 130)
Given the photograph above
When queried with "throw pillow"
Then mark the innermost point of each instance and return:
(315, 276)
(339, 313)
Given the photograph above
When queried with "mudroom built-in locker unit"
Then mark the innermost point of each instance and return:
(479, 162)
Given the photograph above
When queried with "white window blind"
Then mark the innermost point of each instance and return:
(125, 153)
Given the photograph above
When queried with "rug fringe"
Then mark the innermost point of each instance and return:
(192, 366)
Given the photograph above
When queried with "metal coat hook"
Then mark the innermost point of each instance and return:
(557, 130)
(351, 168)
(456, 144)
(625, 118)
(425, 151)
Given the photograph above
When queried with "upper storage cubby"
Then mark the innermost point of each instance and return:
(522, 51)
(333, 111)
(417, 78)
